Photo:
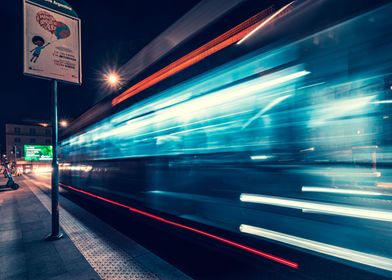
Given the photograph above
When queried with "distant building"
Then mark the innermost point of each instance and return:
(18, 135)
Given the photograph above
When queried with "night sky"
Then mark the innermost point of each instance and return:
(112, 32)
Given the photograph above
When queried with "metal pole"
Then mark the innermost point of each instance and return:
(56, 234)
(15, 153)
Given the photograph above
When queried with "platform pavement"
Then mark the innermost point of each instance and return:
(25, 221)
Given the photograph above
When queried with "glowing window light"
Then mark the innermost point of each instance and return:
(340, 191)
(323, 248)
(192, 229)
(228, 38)
(265, 22)
(319, 207)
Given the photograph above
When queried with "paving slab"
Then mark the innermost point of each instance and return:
(24, 254)
(90, 249)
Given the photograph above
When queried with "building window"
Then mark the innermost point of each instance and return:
(32, 140)
(17, 140)
(48, 132)
(48, 142)
(18, 152)
(32, 131)
(17, 130)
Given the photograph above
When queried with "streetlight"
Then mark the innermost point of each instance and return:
(63, 123)
(112, 79)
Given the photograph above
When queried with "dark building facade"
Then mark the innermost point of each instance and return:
(18, 135)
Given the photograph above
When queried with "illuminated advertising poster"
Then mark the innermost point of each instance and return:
(51, 41)
(37, 152)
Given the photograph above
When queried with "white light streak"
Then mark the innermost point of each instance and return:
(313, 85)
(265, 109)
(208, 128)
(342, 108)
(265, 22)
(356, 174)
(384, 184)
(308, 150)
(340, 191)
(279, 80)
(320, 207)
(85, 168)
(323, 248)
(260, 157)
(42, 170)
(191, 107)
(382, 102)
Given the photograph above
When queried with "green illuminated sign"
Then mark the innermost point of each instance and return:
(37, 152)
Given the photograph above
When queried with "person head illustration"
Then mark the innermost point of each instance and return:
(38, 40)
(40, 45)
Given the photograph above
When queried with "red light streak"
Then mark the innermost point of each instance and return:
(265, 22)
(226, 39)
(201, 232)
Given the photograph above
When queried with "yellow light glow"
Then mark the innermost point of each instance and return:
(63, 123)
(113, 79)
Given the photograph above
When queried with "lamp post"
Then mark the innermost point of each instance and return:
(56, 234)
(51, 13)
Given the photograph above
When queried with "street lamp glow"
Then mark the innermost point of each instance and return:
(63, 123)
(112, 79)
(44, 124)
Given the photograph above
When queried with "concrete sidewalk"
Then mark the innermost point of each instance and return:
(90, 249)
(24, 223)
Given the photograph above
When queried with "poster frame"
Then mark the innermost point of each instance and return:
(25, 47)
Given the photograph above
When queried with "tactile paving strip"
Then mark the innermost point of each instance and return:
(108, 260)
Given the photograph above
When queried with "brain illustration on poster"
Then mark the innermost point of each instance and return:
(50, 24)
(52, 44)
